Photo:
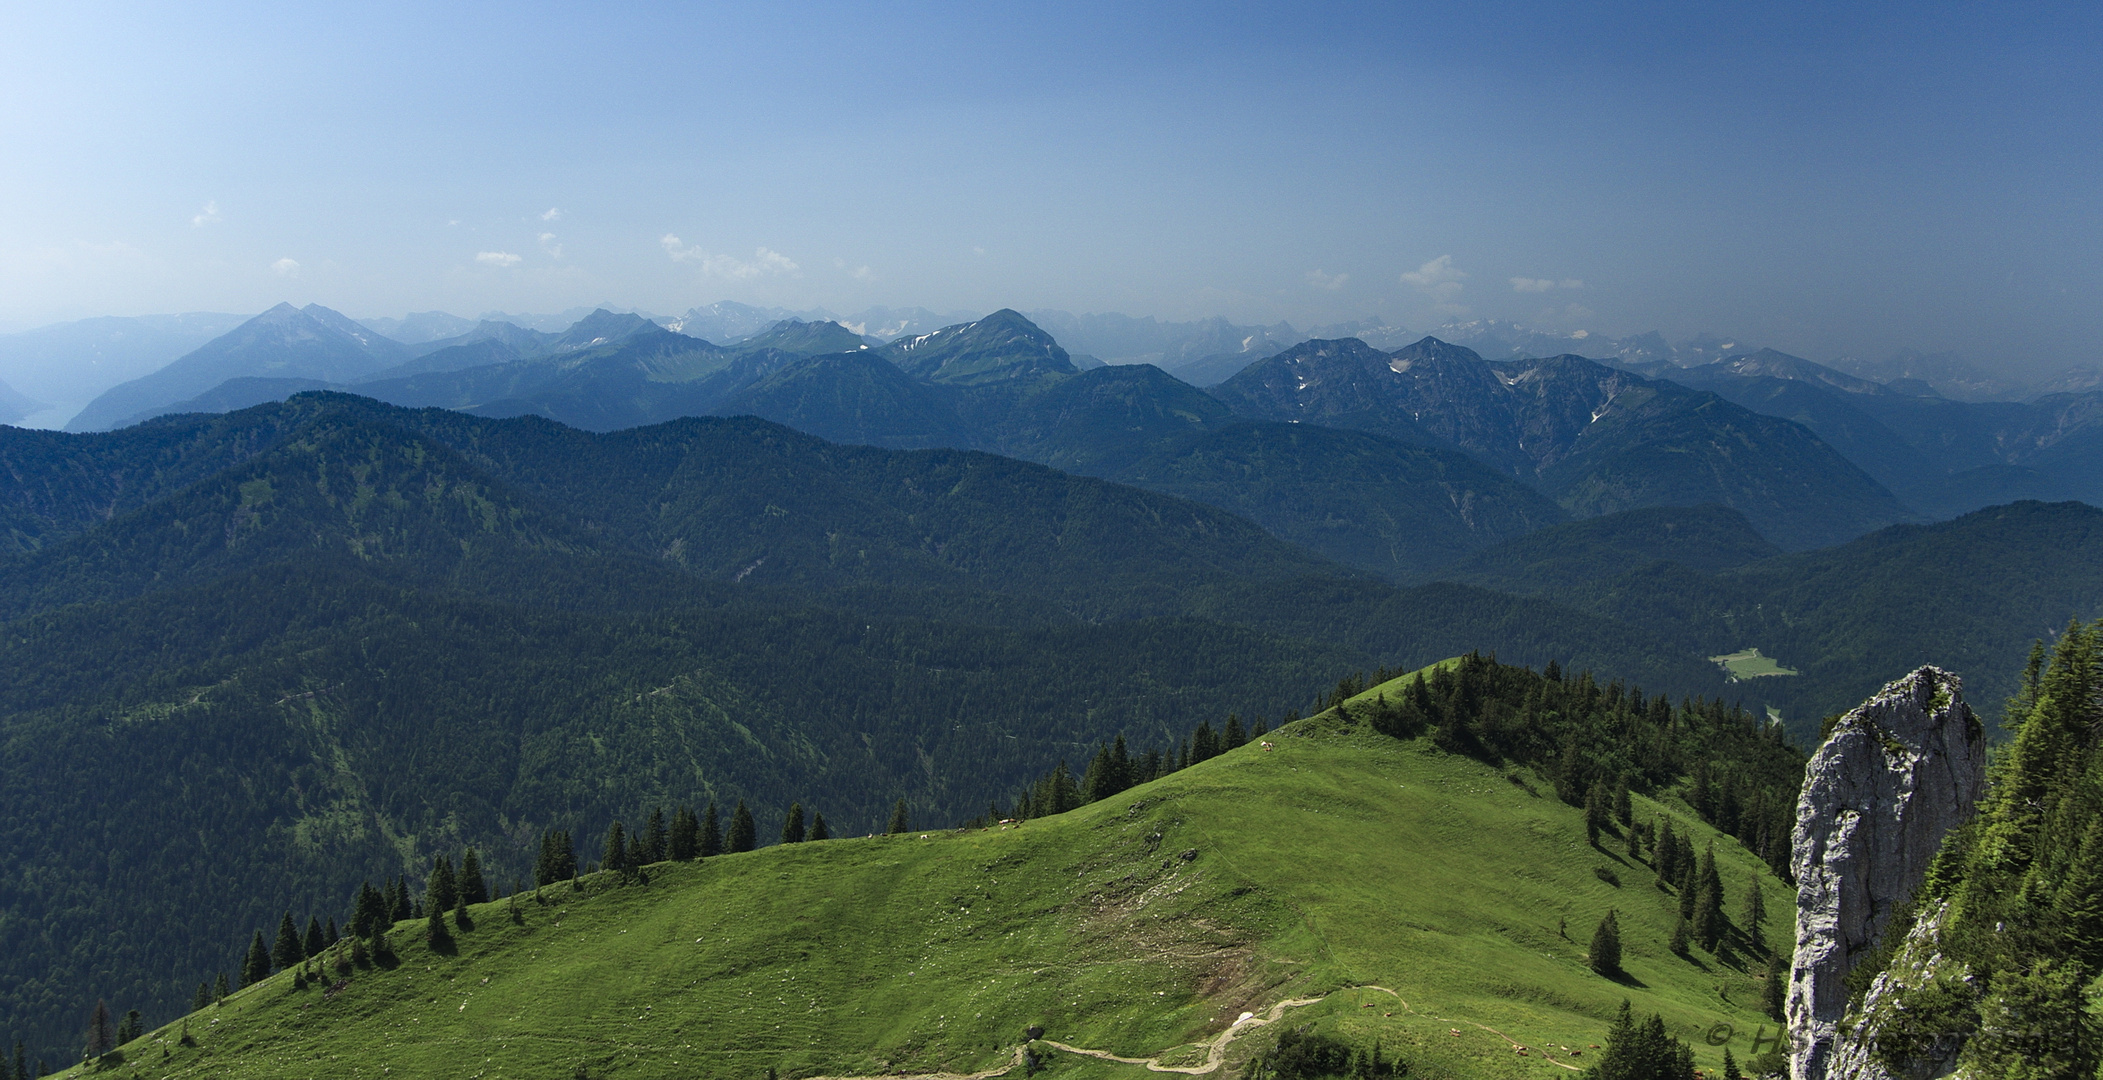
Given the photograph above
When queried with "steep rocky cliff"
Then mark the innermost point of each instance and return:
(1899, 772)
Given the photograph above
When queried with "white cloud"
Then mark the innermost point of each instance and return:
(978, 251)
(1541, 285)
(498, 258)
(548, 244)
(863, 273)
(207, 216)
(553, 214)
(1442, 280)
(1331, 282)
(286, 268)
(766, 262)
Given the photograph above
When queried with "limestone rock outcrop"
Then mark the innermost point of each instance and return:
(1897, 773)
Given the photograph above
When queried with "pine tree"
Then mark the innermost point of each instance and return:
(443, 888)
(743, 835)
(684, 840)
(370, 911)
(1235, 736)
(1624, 809)
(654, 837)
(1730, 1066)
(818, 829)
(313, 943)
(220, 988)
(102, 1031)
(1682, 936)
(401, 908)
(133, 1026)
(1605, 954)
(460, 915)
(436, 935)
(792, 825)
(256, 966)
(638, 854)
(615, 854)
(474, 889)
(1635, 844)
(711, 833)
(1774, 989)
(289, 949)
(900, 822)
(329, 935)
(203, 998)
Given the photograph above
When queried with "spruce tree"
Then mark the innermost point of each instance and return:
(443, 888)
(1682, 937)
(1708, 901)
(900, 822)
(655, 837)
(102, 1031)
(1605, 954)
(329, 935)
(1596, 811)
(220, 988)
(818, 829)
(792, 825)
(1755, 912)
(436, 935)
(1235, 736)
(638, 854)
(1624, 809)
(1774, 989)
(474, 889)
(711, 842)
(744, 836)
(1642, 1051)
(203, 998)
(683, 842)
(369, 912)
(614, 856)
(256, 966)
(1730, 1066)
(289, 950)
(133, 1026)
(314, 942)
(401, 908)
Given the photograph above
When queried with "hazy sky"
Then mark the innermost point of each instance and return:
(1824, 178)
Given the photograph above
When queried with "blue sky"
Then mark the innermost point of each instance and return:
(1852, 179)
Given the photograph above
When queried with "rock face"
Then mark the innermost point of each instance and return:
(1900, 771)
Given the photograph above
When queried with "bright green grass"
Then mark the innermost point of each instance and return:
(1338, 859)
(1749, 664)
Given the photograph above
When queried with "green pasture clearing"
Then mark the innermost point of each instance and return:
(1749, 664)
(1335, 861)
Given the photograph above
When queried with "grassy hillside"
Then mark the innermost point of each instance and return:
(1416, 893)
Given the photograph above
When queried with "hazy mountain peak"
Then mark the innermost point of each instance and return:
(1002, 346)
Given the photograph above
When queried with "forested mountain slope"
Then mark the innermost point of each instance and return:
(255, 658)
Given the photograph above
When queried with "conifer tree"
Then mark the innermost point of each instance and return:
(1595, 812)
(102, 1031)
(1624, 809)
(1234, 736)
(1755, 913)
(401, 908)
(256, 966)
(683, 842)
(1708, 901)
(1682, 937)
(289, 949)
(615, 854)
(314, 942)
(1730, 1066)
(638, 855)
(474, 889)
(436, 935)
(460, 916)
(744, 836)
(220, 988)
(202, 999)
(1635, 844)
(133, 1026)
(818, 829)
(1605, 954)
(443, 888)
(1687, 896)
(369, 911)
(21, 1062)
(654, 837)
(792, 825)
(329, 935)
(711, 833)
(900, 821)
(1642, 1051)
(1774, 989)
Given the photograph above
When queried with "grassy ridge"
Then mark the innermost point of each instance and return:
(1337, 859)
